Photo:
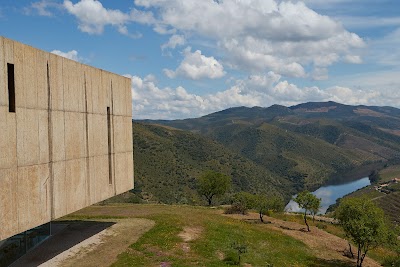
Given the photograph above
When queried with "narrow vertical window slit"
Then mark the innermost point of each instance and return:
(109, 146)
(11, 87)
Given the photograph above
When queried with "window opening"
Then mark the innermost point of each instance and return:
(11, 87)
(109, 146)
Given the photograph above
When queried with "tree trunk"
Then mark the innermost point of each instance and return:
(209, 201)
(351, 251)
(305, 220)
(358, 256)
(362, 258)
(261, 217)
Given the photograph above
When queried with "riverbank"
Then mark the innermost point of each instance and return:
(330, 193)
(354, 173)
(387, 199)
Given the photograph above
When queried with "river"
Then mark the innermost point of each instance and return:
(330, 193)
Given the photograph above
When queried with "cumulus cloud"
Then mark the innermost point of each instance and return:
(353, 59)
(196, 66)
(320, 74)
(261, 35)
(93, 17)
(153, 102)
(174, 41)
(286, 37)
(73, 54)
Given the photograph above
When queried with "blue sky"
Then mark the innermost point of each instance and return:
(188, 58)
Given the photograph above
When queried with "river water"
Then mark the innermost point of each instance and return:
(330, 193)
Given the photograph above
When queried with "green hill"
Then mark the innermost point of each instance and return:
(168, 162)
(284, 149)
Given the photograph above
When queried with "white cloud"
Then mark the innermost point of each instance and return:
(368, 22)
(42, 8)
(320, 74)
(353, 59)
(93, 17)
(196, 66)
(174, 41)
(153, 102)
(73, 54)
(386, 51)
(261, 35)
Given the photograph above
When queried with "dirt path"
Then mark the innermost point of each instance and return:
(325, 246)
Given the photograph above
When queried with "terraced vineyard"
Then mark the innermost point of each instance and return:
(391, 205)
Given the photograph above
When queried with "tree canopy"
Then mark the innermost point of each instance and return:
(264, 204)
(364, 223)
(213, 184)
(309, 203)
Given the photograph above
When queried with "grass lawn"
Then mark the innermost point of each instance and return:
(200, 236)
(213, 245)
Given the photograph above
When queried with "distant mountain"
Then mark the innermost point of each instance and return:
(300, 147)
(168, 162)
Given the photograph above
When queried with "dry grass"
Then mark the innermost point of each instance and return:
(325, 245)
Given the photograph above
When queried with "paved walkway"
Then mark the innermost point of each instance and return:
(65, 236)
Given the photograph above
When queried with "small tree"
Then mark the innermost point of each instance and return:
(315, 207)
(264, 204)
(213, 184)
(243, 201)
(374, 177)
(364, 223)
(309, 203)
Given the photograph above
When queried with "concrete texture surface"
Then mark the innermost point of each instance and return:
(55, 155)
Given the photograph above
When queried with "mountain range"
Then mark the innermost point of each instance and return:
(275, 150)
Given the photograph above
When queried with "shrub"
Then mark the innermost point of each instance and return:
(236, 208)
(231, 258)
(321, 226)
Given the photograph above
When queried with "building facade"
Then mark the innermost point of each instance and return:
(66, 136)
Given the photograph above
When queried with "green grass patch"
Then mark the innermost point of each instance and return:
(164, 235)
(214, 246)
(263, 246)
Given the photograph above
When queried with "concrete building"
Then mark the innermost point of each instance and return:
(66, 136)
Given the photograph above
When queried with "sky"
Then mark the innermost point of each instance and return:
(189, 58)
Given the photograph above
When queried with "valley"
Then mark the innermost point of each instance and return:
(275, 150)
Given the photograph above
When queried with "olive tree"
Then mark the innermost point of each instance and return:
(309, 203)
(213, 184)
(364, 224)
(242, 201)
(264, 204)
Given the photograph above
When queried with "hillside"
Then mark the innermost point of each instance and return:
(306, 144)
(168, 161)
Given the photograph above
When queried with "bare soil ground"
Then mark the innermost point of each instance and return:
(325, 245)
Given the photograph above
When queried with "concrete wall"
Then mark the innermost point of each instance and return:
(55, 156)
